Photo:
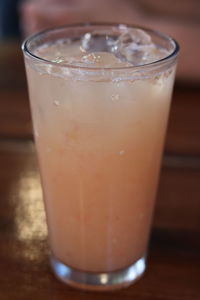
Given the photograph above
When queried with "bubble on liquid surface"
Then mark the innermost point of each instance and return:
(59, 59)
(91, 58)
(99, 60)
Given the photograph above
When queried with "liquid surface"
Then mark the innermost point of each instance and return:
(133, 47)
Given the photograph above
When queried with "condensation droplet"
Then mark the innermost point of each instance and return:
(36, 133)
(141, 216)
(56, 102)
(121, 152)
(114, 241)
(118, 85)
(115, 97)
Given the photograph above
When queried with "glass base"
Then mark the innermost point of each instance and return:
(98, 281)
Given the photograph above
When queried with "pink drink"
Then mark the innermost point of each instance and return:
(99, 134)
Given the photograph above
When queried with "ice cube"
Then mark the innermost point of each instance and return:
(97, 42)
(86, 41)
(136, 36)
(136, 47)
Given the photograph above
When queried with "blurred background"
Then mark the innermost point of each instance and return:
(177, 217)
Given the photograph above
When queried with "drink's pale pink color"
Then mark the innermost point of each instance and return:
(99, 143)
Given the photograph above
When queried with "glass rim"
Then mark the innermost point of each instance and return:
(29, 53)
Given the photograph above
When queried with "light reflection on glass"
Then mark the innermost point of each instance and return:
(30, 215)
(104, 278)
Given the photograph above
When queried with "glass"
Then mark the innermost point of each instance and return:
(99, 136)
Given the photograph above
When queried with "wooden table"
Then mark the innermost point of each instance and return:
(173, 271)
